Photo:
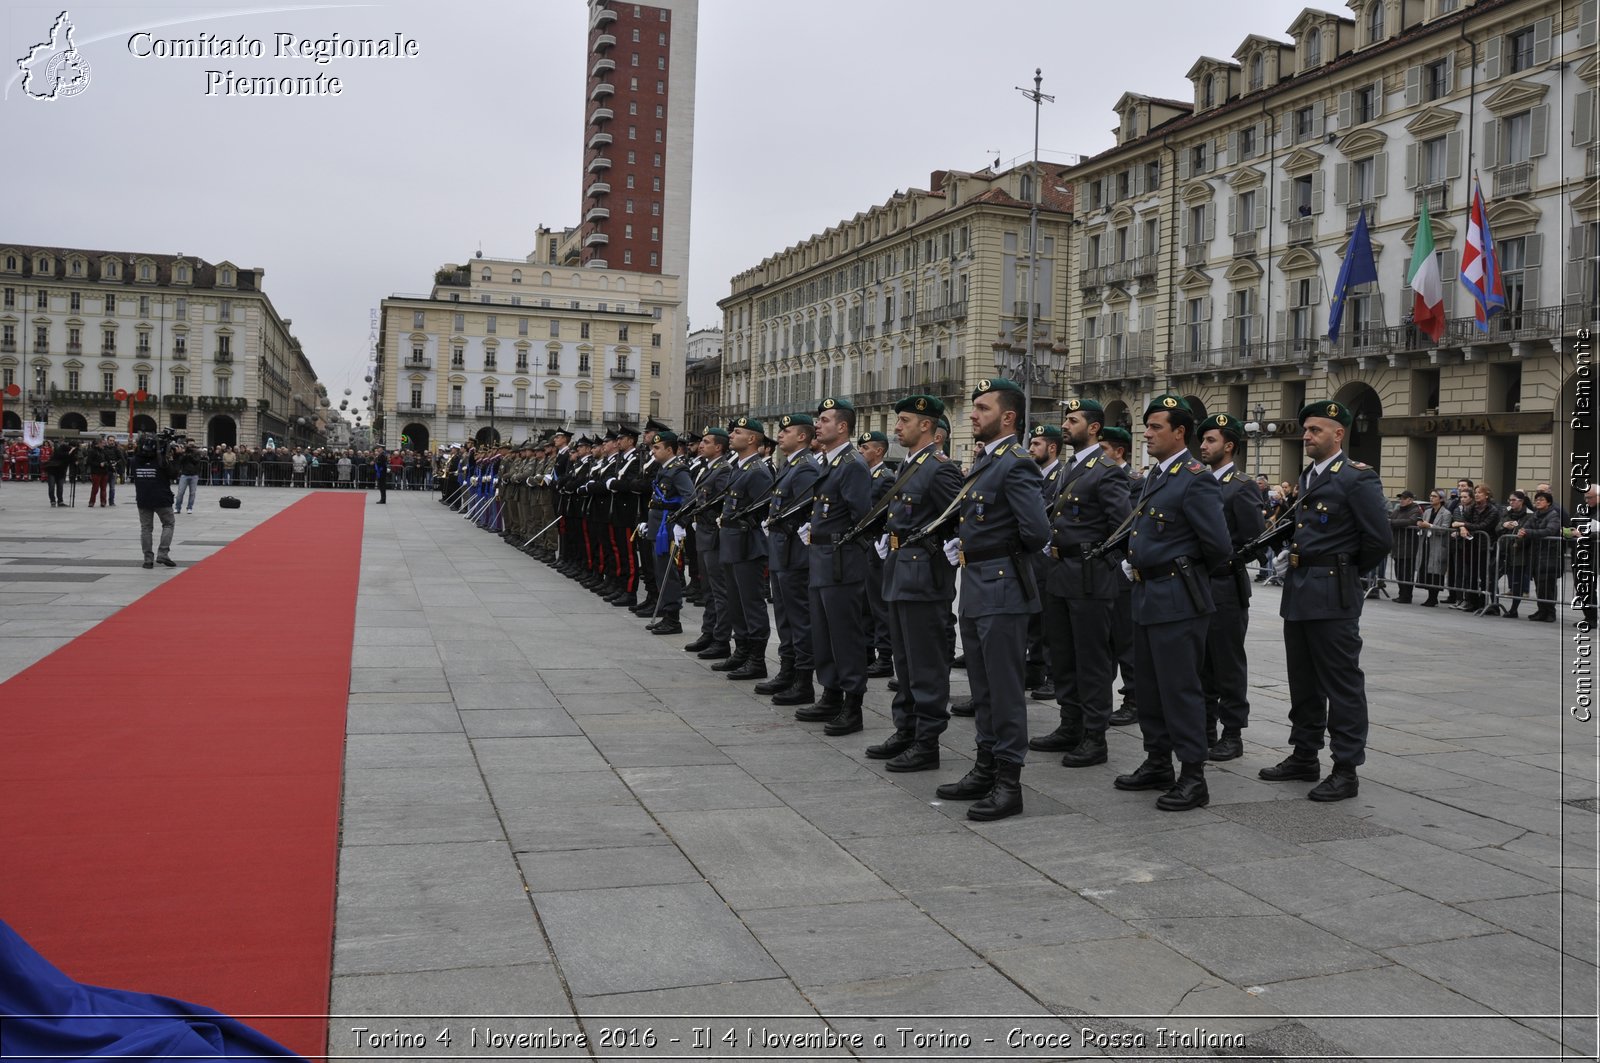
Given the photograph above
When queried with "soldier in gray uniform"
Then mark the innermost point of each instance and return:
(843, 496)
(716, 624)
(1044, 446)
(1091, 506)
(1340, 529)
(671, 488)
(872, 446)
(788, 563)
(1225, 671)
(1002, 525)
(1117, 444)
(743, 548)
(918, 586)
(1178, 536)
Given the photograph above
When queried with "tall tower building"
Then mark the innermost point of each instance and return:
(638, 136)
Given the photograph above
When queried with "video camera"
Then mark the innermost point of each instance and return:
(154, 445)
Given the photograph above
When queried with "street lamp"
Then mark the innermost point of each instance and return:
(1032, 294)
(494, 436)
(1256, 429)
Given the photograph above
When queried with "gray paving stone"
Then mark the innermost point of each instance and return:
(589, 681)
(607, 704)
(1544, 918)
(746, 1011)
(1302, 821)
(1396, 919)
(696, 787)
(426, 907)
(652, 720)
(1277, 947)
(538, 755)
(866, 808)
(1510, 974)
(628, 749)
(825, 944)
(1430, 870)
(393, 656)
(1016, 915)
(1304, 883)
(770, 857)
(770, 764)
(408, 680)
(929, 861)
(487, 694)
(416, 751)
(518, 792)
(1189, 896)
(886, 1006)
(385, 806)
(518, 723)
(580, 827)
(446, 1008)
(402, 719)
(1131, 975)
(649, 937)
(586, 869)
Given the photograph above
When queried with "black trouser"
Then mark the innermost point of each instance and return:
(921, 706)
(53, 480)
(838, 646)
(1327, 691)
(1225, 671)
(1122, 641)
(997, 649)
(1172, 709)
(717, 617)
(1081, 661)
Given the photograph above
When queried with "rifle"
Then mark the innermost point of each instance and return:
(683, 514)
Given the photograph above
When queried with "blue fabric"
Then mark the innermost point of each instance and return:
(664, 529)
(1358, 268)
(47, 1014)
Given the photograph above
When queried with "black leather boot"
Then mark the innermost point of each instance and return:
(1123, 715)
(755, 665)
(741, 654)
(666, 624)
(1229, 747)
(923, 755)
(798, 691)
(648, 606)
(882, 666)
(1066, 735)
(784, 677)
(1301, 764)
(1188, 792)
(848, 722)
(1341, 784)
(1091, 750)
(704, 642)
(1006, 797)
(1154, 774)
(826, 707)
(892, 746)
(962, 707)
(974, 784)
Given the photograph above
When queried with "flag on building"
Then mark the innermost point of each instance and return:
(1358, 268)
(1480, 265)
(1427, 292)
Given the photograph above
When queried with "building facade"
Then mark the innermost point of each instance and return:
(1213, 232)
(201, 339)
(503, 348)
(928, 292)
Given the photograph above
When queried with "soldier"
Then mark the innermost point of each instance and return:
(1090, 507)
(788, 564)
(1178, 535)
(1044, 446)
(643, 548)
(693, 578)
(1339, 528)
(838, 570)
(671, 488)
(918, 586)
(574, 531)
(1225, 671)
(602, 579)
(743, 547)
(628, 486)
(716, 624)
(1002, 524)
(553, 549)
(1116, 443)
(872, 446)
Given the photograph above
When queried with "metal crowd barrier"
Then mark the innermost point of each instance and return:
(1536, 565)
(1480, 572)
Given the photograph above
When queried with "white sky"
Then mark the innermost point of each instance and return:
(806, 113)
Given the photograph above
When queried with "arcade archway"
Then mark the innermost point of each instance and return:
(74, 422)
(487, 436)
(414, 436)
(1364, 441)
(13, 422)
(1198, 405)
(222, 431)
(144, 423)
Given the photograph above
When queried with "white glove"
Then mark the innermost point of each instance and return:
(766, 525)
(549, 477)
(952, 550)
(1045, 550)
(805, 533)
(1127, 569)
(882, 547)
(679, 533)
(643, 529)
(611, 484)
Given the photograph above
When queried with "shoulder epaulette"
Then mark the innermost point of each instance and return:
(1363, 466)
(939, 455)
(1196, 467)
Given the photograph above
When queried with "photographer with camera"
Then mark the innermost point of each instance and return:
(191, 462)
(62, 457)
(153, 476)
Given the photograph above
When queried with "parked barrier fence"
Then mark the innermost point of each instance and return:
(1479, 574)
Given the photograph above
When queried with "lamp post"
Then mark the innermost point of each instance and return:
(1256, 429)
(494, 436)
(1032, 294)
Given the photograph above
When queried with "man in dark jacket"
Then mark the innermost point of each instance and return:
(1403, 526)
(153, 476)
(62, 458)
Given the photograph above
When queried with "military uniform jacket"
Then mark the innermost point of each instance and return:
(843, 498)
(1341, 515)
(796, 475)
(880, 480)
(671, 488)
(1092, 501)
(920, 573)
(713, 479)
(1178, 536)
(1002, 525)
(628, 493)
(742, 538)
(1242, 509)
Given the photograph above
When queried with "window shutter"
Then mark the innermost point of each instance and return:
(1263, 133)
(1147, 318)
(1346, 110)
(1447, 279)
(1449, 74)
(1183, 311)
(1583, 119)
(1491, 58)
(1286, 201)
(1205, 309)
(1577, 292)
(1491, 144)
(1341, 184)
(1261, 213)
(1233, 215)
(1380, 175)
(1539, 118)
(1587, 17)
(1533, 251)
(1286, 128)
(1183, 165)
(1316, 291)
(1452, 155)
(1541, 41)
(1280, 324)
(1211, 221)
(1184, 236)
(1319, 119)
(1317, 192)
(1233, 145)
(1412, 164)
(1377, 98)
(1413, 86)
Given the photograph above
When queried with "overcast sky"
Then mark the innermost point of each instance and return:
(806, 112)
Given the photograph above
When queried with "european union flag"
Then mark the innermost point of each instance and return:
(1358, 268)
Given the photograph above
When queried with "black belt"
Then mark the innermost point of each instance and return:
(974, 557)
(1142, 574)
(1297, 559)
(1072, 550)
(826, 539)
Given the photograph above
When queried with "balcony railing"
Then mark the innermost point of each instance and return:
(222, 357)
(74, 348)
(1437, 196)
(68, 397)
(177, 402)
(1370, 340)
(1302, 231)
(143, 350)
(1591, 161)
(598, 163)
(620, 415)
(1353, 212)
(597, 214)
(426, 408)
(621, 374)
(602, 90)
(1146, 265)
(419, 361)
(1125, 367)
(601, 114)
(1515, 179)
(596, 240)
(601, 67)
(455, 410)
(1189, 363)
(1291, 351)
(220, 402)
(598, 188)
(180, 355)
(1020, 309)
(1244, 245)
(947, 312)
(108, 349)
(8, 346)
(1194, 254)
(604, 41)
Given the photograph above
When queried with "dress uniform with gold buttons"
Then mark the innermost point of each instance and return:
(1340, 529)
(1041, 438)
(744, 552)
(880, 478)
(788, 564)
(1122, 612)
(1178, 535)
(716, 622)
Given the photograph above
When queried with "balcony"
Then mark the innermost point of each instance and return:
(221, 402)
(1194, 363)
(1146, 265)
(1130, 367)
(600, 114)
(74, 348)
(68, 397)
(427, 409)
(597, 214)
(1591, 161)
(1513, 180)
(41, 348)
(108, 350)
(947, 312)
(620, 415)
(143, 350)
(1296, 350)
(604, 17)
(596, 240)
(180, 355)
(621, 374)
(418, 361)
(177, 402)
(602, 67)
(598, 163)
(223, 357)
(1244, 245)
(1302, 231)
(455, 410)
(597, 189)
(8, 347)
(1437, 196)
(1194, 254)
(600, 140)
(1362, 342)
(603, 42)
(601, 91)
(1020, 310)
(1353, 212)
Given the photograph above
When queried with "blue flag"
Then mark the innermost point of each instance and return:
(1358, 268)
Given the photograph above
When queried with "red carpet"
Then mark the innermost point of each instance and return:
(170, 780)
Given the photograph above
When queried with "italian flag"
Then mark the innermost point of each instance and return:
(1427, 302)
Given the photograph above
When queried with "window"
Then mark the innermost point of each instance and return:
(491, 323)
(1516, 138)
(655, 369)
(222, 386)
(627, 232)
(41, 338)
(1375, 22)
(1247, 142)
(661, 39)
(1198, 156)
(1436, 80)
(1363, 183)
(108, 341)
(1258, 71)
(583, 362)
(655, 182)
(655, 208)
(661, 112)
(1195, 330)
(633, 132)
(635, 36)
(417, 318)
(555, 329)
(75, 302)
(633, 60)
(658, 136)
(177, 383)
(1097, 197)
(1304, 122)
(488, 396)
(628, 182)
(416, 396)
(1366, 103)
(1513, 263)
(143, 342)
(1314, 48)
(144, 306)
(522, 360)
(583, 330)
(655, 339)
(522, 326)
(180, 345)
(1433, 160)
(141, 382)
(1209, 92)
(1245, 219)
(622, 363)
(655, 234)
(11, 299)
(622, 333)
(73, 379)
(1197, 224)
(633, 108)
(458, 357)
(661, 88)
(1300, 196)
(43, 302)
(1520, 45)
(661, 62)
(108, 381)
(460, 322)
(111, 304)
(8, 377)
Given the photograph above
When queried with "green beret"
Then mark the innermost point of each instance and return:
(668, 437)
(943, 422)
(872, 437)
(715, 430)
(1083, 406)
(1117, 436)
(835, 404)
(998, 383)
(1163, 403)
(1049, 432)
(1333, 411)
(1230, 426)
(748, 423)
(921, 405)
(789, 420)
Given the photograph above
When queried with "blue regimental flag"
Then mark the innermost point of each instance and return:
(1358, 268)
